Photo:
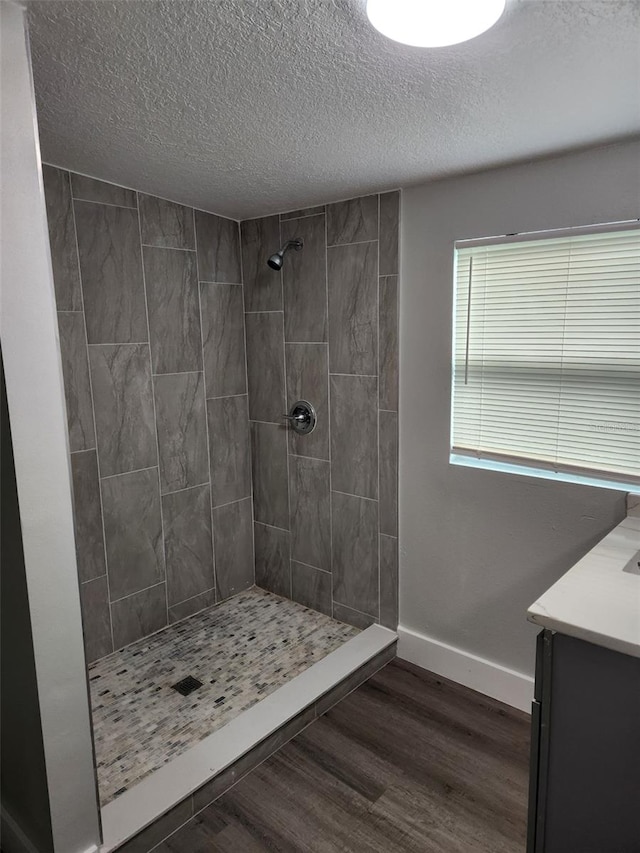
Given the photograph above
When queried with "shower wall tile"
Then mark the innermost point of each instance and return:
(305, 281)
(352, 221)
(182, 430)
(304, 211)
(164, 223)
(355, 552)
(123, 399)
(354, 435)
(388, 345)
(77, 386)
(307, 379)
(96, 618)
(223, 339)
(389, 473)
(90, 189)
(233, 543)
(62, 239)
(171, 279)
(353, 308)
(310, 587)
(389, 232)
(352, 617)
(218, 243)
(133, 532)
(192, 605)
(229, 449)
(309, 495)
(273, 564)
(265, 367)
(111, 268)
(87, 512)
(262, 285)
(270, 475)
(187, 542)
(389, 582)
(139, 615)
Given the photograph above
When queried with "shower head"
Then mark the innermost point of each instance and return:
(275, 261)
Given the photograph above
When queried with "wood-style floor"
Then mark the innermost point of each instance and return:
(408, 762)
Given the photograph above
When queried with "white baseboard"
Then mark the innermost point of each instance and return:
(508, 686)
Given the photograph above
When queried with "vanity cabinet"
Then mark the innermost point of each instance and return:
(584, 792)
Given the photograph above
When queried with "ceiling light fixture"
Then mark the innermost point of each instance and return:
(433, 23)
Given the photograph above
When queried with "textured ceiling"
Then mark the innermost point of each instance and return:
(246, 107)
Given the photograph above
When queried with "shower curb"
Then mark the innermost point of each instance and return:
(145, 816)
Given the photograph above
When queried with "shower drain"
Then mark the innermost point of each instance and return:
(187, 685)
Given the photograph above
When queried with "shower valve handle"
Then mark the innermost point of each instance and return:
(302, 417)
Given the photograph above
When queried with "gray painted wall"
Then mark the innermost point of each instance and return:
(325, 330)
(478, 547)
(25, 794)
(151, 322)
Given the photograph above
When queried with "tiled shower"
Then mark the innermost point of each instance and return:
(181, 352)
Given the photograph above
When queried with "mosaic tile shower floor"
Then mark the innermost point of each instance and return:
(242, 650)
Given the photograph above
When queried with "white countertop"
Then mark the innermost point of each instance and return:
(596, 601)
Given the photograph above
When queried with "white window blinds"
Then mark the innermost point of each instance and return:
(547, 352)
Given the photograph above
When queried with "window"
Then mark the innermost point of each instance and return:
(546, 360)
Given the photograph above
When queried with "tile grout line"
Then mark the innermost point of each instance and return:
(155, 414)
(137, 592)
(354, 243)
(329, 410)
(104, 203)
(206, 411)
(166, 248)
(378, 407)
(315, 568)
(124, 473)
(93, 413)
(186, 489)
(246, 385)
(350, 495)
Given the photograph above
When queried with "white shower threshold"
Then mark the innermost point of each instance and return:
(160, 791)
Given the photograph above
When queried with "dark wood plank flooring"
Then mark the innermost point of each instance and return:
(407, 762)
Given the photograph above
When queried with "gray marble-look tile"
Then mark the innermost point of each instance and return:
(171, 279)
(352, 221)
(233, 543)
(123, 401)
(352, 617)
(305, 281)
(87, 511)
(389, 582)
(388, 342)
(77, 387)
(273, 565)
(310, 502)
(182, 430)
(262, 285)
(165, 223)
(111, 268)
(187, 543)
(218, 242)
(192, 605)
(62, 239)
(139, 615)
(265, 367)
(96, 619)
(354, 435)
(91, 189)
(225, 369)
(307, 379)
(311, 587)
(389, 473)
(133, 531)
(269, 468)
(389, 232)
(229, 449)
(353, 308)
(303, 211)
(355, 552)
